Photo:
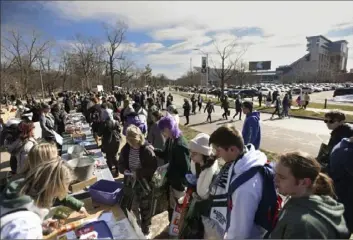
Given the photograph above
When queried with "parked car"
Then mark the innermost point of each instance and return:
(248, 93)
(342, 92)
(307, 90)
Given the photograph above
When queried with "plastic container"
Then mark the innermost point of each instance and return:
(106, 192)
(100, 227)
(83, 167)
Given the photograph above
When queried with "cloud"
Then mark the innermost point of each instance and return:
(341, 32)
(151, 47)
(271, 30)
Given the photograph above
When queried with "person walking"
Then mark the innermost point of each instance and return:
(260, 99)
(237, 107)
(209, 108)
(225, 106)
(187, 109)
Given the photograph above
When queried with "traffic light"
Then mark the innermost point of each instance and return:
(204, 65)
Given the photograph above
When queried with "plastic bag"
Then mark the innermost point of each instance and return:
(159, 176)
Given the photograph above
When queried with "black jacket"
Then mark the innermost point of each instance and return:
(148, 161)
(176, 153)
(343, 131)
(110, 133)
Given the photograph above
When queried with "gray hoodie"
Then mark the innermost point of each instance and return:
(313, 217)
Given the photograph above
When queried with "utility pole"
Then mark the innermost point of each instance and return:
(191, 73)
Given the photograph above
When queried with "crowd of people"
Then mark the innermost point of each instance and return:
(238, 191)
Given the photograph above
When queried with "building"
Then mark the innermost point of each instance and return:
(324, 60)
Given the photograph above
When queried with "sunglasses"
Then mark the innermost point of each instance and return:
(329, 121)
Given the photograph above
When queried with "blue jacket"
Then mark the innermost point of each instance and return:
(341, 172)
(252, 130)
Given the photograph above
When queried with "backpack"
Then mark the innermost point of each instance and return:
(140, 124)
(95, 116)
(13, 157)
(270, 204)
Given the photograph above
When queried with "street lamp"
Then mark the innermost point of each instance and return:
(205, 53)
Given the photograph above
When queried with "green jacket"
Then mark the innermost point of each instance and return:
(314, 217)
(176, 153)
(11, 199)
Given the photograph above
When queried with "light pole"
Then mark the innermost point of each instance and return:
(41, 77)
(207, 68)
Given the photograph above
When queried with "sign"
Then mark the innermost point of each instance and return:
(99, 88)
(263, 65)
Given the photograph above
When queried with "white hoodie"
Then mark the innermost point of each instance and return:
(26, 224)
(245, 199)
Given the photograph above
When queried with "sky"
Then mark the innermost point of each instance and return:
(165, 34)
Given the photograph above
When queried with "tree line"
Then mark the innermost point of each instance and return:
(31, 63)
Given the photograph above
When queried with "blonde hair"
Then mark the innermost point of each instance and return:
(126, 103)
(39, 153)
(134, 135)
(47, 181)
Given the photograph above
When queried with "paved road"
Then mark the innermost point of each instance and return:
(277, 135)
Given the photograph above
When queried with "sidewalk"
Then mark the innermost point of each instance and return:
(277, 135)
(256, 103)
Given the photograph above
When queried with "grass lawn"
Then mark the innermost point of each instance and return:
(330, 106)
(190, 133)
(295, 112)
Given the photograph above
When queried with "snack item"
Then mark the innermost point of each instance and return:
(90, 235)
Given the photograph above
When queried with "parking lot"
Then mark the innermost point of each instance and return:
(318, 92)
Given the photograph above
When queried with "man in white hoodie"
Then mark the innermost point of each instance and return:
(228, 144)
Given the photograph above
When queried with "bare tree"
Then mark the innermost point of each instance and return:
(125, 71)
(230, 54)
(23, 51)
(115, 35)
(84, 56)
(239, 74)
(64, 67)
(51, 75)
(147, 75)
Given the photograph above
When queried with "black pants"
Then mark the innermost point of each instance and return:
(306, 104)
(200, 106)
(225, 114)
(112, 161)
(209, 117)
(237, 111)
(277, 111)
(141, 207)
(187, 119)
(193, 108)
(260, 101)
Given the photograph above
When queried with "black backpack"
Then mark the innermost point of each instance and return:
(96, 116)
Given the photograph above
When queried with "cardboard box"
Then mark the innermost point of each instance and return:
(77, 187)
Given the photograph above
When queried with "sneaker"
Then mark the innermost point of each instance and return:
(148, 236)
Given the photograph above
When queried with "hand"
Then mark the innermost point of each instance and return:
(83, 211)
(50, 222)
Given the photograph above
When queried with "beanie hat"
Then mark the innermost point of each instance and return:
(200, 144)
